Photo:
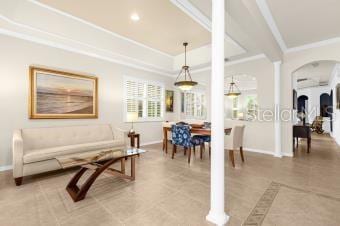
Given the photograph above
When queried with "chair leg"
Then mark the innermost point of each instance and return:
(163, 148)
(185, 151)
(173, 151)
(231, 157)
(241, 152)
(209, 150)
(189, 154)
(194, 149)
(201, 151)
(18, 181)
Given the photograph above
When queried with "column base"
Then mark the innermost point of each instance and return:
(278, 155)
(218, 219)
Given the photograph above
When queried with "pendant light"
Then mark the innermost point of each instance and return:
(187, 83)
(233, 91)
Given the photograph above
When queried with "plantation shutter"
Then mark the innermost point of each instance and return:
(145, 98)
(154, 96)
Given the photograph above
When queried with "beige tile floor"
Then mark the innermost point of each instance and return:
(170, 192)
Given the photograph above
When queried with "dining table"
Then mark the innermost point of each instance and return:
(194, 129)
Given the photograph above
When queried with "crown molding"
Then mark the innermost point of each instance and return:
(265, 11)
(230, 63)
(313, 45)
(37, 35)
(98, 27)
(188, 8)
(79, 51)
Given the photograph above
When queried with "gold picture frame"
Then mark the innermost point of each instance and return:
(169, 100)
(55, 94)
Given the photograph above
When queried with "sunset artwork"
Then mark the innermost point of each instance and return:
(62, 95)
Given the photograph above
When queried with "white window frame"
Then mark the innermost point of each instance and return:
(246, 104)
(235, 107)
(144, 99)
(195, 93)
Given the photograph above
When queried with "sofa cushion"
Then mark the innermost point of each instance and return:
(43, 138)
(37, 155)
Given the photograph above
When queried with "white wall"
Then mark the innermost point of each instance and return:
(259, 136)
(313, 94)
(15, 58)
(335, 80)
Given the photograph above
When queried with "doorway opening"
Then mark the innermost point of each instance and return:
(315, 124)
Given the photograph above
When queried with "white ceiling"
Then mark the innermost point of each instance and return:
(104, 29)
(302, 22)
(162, 25)
(314, 74)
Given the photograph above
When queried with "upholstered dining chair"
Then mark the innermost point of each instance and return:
(206, 138)
(235, 141)
(181, 136)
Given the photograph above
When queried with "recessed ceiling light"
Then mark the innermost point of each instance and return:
(135, 17)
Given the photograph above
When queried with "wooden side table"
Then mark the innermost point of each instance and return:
(133, 137)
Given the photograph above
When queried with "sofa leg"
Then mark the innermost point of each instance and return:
(18, 181)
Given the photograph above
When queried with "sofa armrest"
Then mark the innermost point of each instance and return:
(121, 134)
(18, 154)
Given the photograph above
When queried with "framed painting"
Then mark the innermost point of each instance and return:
(294, 99)
(62, 95)
(169, 100)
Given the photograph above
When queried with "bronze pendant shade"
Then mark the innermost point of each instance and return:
(233, 91)
(187, 83)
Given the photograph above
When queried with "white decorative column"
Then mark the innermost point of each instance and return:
(277, 102)
(217, 214)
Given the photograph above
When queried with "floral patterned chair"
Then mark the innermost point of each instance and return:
(205, 138)
(181, 136)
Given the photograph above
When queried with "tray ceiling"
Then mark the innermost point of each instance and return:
(162, 25)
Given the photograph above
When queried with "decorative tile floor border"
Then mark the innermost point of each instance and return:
(262, 207)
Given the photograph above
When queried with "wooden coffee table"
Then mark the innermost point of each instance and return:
(100, 162)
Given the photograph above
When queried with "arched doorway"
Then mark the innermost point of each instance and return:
(313, 84)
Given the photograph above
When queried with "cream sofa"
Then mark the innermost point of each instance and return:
(34, 150)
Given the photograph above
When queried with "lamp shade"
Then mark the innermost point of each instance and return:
(132, 116)
(187, 83)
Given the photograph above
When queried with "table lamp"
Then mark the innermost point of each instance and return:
(132, 117)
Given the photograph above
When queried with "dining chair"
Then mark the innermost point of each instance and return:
(206, 138)
(181, 136)
(235, 141)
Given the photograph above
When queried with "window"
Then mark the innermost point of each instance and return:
(252, 106)
(235, 108)
(194, 103)
(144, 98)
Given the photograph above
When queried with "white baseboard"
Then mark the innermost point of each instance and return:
(151, 142)
(287, 154)
(259, 151)
(5, 168)
(267, 152)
